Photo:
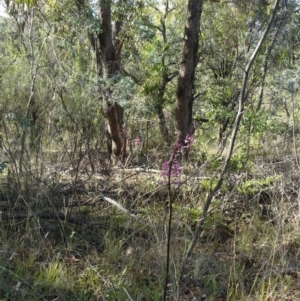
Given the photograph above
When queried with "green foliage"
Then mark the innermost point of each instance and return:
(239, 163)
(192, 214)
(254, 185)
(209, 184)
(84, 249)
(153, 55)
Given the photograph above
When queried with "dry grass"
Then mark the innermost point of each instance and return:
(60, 241)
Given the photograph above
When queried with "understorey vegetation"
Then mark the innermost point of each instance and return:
(149, 150)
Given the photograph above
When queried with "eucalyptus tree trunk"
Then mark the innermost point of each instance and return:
(187, 68)
(107, 49)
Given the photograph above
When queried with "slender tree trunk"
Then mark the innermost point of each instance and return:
(162, 123)
(188, 65)
(266, 63)
(160, 102)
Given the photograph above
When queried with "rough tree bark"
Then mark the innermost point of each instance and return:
(187, 68)
(107, 48)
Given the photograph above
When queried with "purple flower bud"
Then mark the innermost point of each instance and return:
(137, 142)
(174, 172)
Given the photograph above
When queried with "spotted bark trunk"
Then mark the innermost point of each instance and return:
(107, 49)
(116, 140)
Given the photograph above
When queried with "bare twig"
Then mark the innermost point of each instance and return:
(34, 68)
(113, 202)
(266, 63)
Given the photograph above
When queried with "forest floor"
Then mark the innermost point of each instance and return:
(61, 240)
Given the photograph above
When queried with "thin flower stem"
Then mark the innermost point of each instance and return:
(171, 162)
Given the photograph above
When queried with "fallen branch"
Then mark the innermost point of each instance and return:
(137, 169)
(140, 170)
(111, 201)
